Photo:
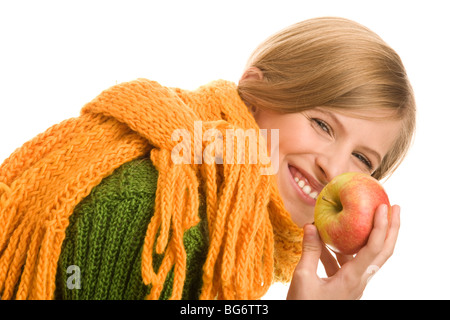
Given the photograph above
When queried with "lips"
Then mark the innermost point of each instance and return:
(306, 183)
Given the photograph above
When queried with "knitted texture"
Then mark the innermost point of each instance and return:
(251, 235)
(106, 234)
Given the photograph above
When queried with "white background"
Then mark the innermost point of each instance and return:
(55, 56)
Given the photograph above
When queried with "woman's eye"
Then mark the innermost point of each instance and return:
(364, 160)
(323, 125)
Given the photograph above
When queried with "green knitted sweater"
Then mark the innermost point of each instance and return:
(106, 234)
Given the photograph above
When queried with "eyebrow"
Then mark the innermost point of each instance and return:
(342, 127)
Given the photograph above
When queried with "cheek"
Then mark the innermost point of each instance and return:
(298, 139)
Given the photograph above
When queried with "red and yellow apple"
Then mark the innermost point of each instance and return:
(345, 209)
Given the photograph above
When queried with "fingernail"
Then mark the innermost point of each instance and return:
(308, 231)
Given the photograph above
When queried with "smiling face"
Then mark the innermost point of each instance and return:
(319, 144)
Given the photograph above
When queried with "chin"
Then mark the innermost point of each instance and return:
(301, 216)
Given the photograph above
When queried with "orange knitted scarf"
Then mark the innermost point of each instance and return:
(252, 239)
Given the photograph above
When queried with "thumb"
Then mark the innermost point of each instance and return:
(312, 249)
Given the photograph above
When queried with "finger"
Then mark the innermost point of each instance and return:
(312, 249)
(391, 238)
(388, 247)
(329, 262)
(374, 246)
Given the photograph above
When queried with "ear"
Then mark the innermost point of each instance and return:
(252, 73)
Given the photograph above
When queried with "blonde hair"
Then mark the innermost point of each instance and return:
(338, 64)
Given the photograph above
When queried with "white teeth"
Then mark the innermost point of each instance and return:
(306, 188)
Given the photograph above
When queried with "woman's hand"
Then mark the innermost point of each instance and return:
(349, 280)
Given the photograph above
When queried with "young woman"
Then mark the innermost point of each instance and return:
(133, 199)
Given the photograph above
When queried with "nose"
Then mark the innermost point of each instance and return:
(330, 165)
